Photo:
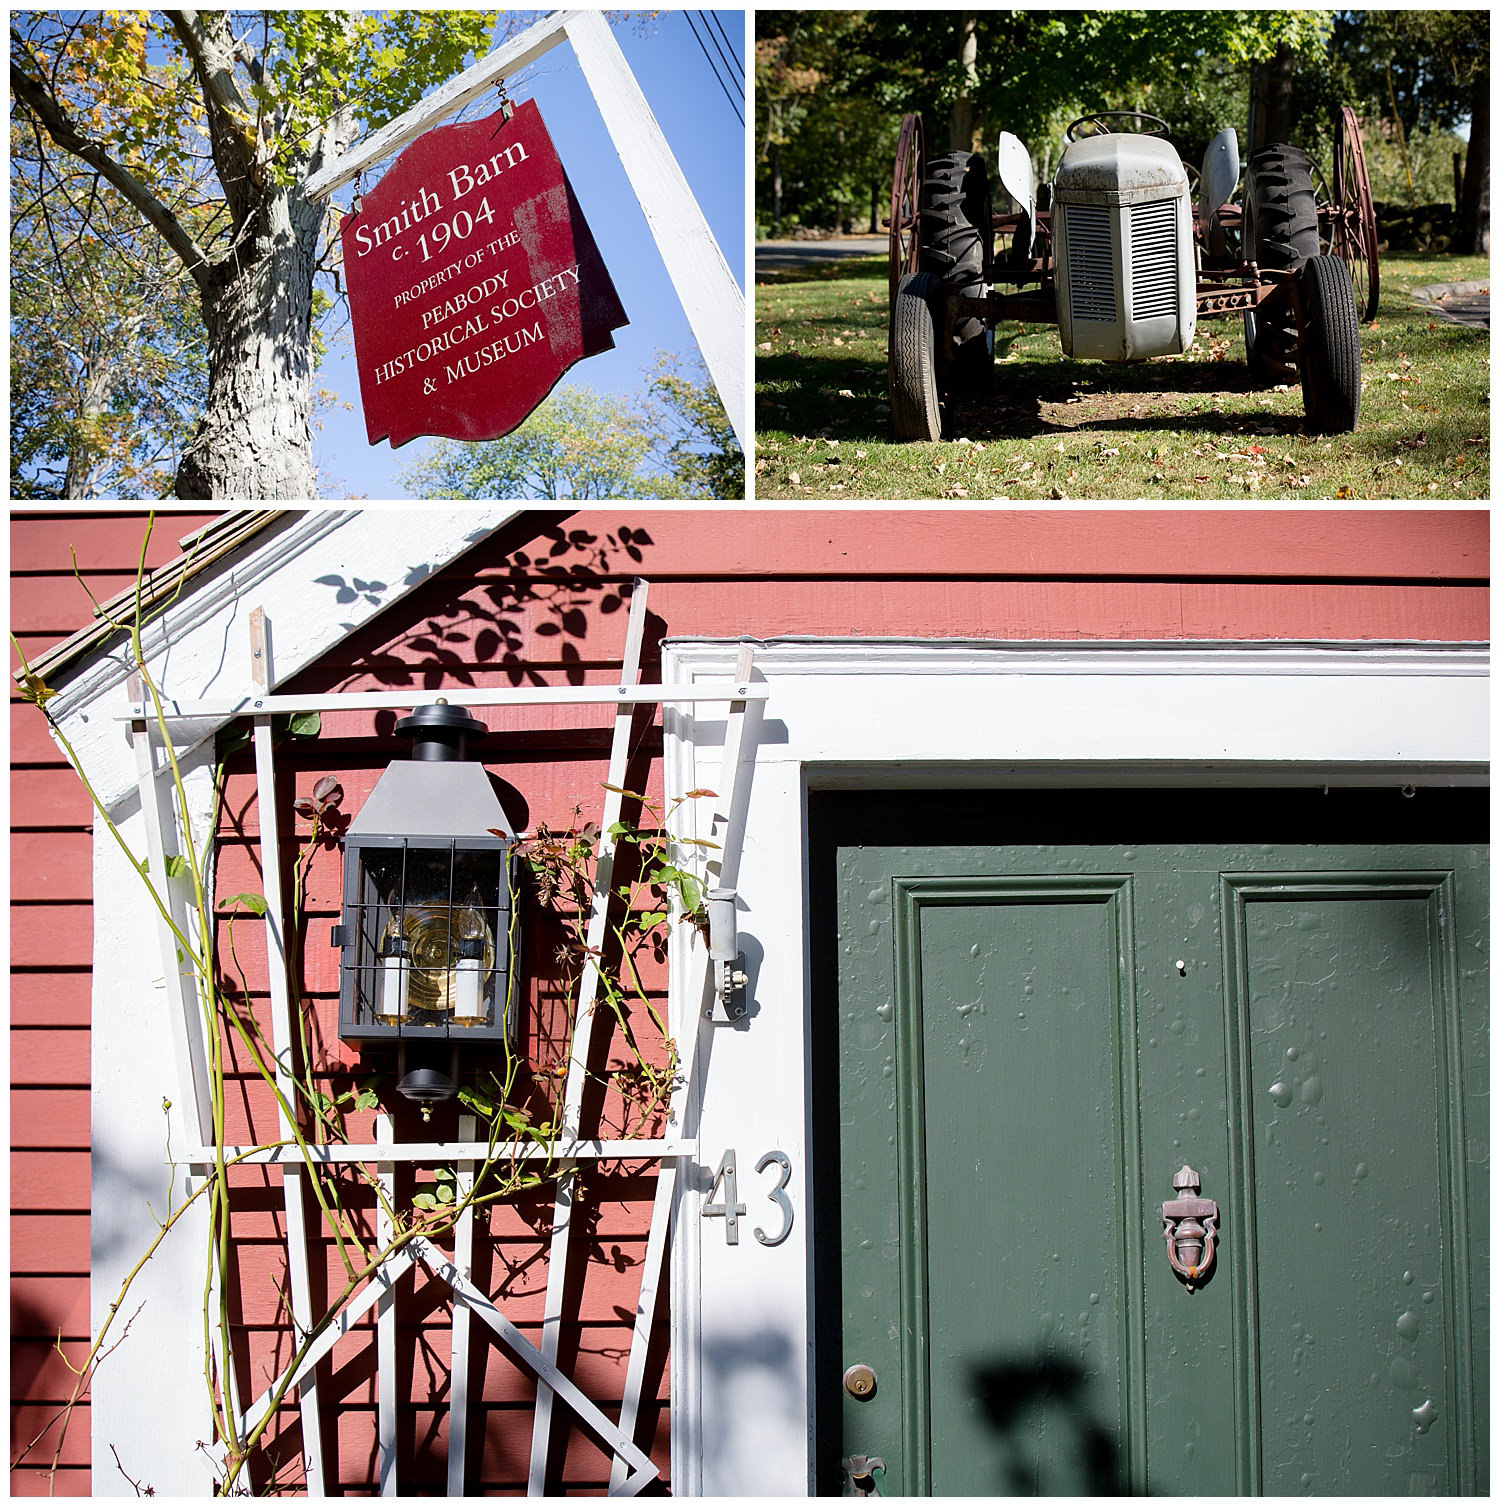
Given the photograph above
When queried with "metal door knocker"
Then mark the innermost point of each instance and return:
(1190, 1226)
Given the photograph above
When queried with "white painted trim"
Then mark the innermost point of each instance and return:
(531, 695)
(581, 1046)
(198, 647)
(710, 297)
(887, 712)
(448, 99)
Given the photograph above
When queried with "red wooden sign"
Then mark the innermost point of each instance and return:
(474, 282)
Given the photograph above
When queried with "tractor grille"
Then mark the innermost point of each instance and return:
(1091, 271)
(1153, 259)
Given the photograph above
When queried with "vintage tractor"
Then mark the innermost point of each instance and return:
(1127, 258)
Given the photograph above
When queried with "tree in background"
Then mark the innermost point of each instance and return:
(107, 357)
(832, 85)
(694, 445)
(673, 440)
(205, 124)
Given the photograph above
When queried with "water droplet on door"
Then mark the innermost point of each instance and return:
(1426, 1416)
(1407, 1326)
(1281, 1094)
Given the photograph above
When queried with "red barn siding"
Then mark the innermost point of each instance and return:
(543, 602)
(51, 954)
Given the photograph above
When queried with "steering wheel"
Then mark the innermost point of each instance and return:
(1098, 124)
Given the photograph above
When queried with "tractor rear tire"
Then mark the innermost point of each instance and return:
(1330, 350)
(1281, 232)
(957, 248)
(915, 413)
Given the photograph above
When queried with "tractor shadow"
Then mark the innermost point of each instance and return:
(1031, 398)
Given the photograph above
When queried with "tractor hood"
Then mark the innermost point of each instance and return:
(1119, 169)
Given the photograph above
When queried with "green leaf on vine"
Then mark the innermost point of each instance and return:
(255, 904)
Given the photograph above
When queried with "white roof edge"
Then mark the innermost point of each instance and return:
(200, 645)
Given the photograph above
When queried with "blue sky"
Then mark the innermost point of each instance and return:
(708, 141)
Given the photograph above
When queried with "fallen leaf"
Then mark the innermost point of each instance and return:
(794, 478)
(844, 392)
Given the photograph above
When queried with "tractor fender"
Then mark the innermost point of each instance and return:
(1221, 173)
(1017, 179)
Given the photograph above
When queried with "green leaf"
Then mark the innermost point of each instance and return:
(367, 1099)
(443, 1174)
(305, 724)
(477, 1102)
(424, 1201)
(176, 864)
(256, 904)
(445, 1194)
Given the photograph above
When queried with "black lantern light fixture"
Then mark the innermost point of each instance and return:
(427, 929)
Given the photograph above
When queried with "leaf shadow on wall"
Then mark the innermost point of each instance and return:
(517, 610)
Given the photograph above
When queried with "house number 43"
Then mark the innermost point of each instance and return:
(727, 1181)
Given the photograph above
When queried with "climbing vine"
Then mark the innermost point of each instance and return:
(655, 891)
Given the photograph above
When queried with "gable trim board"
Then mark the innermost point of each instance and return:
(886, 713)
(290, 570)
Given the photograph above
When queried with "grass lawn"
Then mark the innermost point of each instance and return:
(1173, 428)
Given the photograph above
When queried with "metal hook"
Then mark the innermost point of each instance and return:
(359, 193)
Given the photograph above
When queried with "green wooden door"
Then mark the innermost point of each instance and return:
(1035, 1030)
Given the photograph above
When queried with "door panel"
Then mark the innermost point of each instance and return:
(1346, 1001)
(1028, 975)
(1033, 1038)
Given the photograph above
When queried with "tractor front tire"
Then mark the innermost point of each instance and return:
(957, 236)
(1280, 232)
(915, 414)
(1330, 349)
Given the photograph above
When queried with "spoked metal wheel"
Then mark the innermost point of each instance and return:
(906, 196)
(1353, 235)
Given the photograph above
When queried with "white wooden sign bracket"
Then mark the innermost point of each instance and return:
(632, 1468)
(710, 297)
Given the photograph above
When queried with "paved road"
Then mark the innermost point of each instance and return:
(778, 256)
(1463, 303)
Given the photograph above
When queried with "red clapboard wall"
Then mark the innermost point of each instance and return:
(51, 950)
(544, 601)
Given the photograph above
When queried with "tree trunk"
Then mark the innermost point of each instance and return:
(961, 116)
(103, 361)
(1272, 113)
(255, 439)
(1476, 200)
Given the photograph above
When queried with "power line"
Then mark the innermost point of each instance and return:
(739, 67)
(713, 67)
(729, 64)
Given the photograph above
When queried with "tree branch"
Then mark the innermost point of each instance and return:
(231, 119)
(47, 110)
(213, 60)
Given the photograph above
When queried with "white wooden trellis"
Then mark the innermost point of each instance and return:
(632, 1469)
(710, 297)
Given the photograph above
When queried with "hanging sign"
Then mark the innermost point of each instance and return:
(474, 282)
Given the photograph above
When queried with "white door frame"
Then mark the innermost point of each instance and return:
(884, 713)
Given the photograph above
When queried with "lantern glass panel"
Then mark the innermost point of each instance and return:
(428, 927)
